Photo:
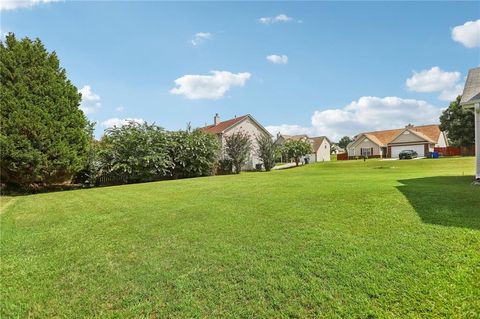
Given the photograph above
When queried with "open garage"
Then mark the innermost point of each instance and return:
(420, 149)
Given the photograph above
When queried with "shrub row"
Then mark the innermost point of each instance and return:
(145, 152)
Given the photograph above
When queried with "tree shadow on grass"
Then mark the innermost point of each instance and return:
(444, 200)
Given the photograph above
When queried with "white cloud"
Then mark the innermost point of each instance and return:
(90, 100)
(451, 94)
(368, 113)
(433, 80)
(120, 109)
(212, 86)
(15, 4)
(3, 34)
(120, 122)
(201, 37)
(467, 34)
(289, 129)
(436, 80)
(279, 18)
(277, 59)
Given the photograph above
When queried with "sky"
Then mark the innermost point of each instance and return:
(319, 68)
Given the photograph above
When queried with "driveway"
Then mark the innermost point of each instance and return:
(287, 165)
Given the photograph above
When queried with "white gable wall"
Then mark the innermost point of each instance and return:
(408, 137)
(249, 127)
(323, 152)
(442, 141)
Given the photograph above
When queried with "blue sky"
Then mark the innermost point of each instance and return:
(321, 68)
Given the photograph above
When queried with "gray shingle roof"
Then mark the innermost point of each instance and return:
(471, 91)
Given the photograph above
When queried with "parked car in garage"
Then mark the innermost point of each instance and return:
(408, 154)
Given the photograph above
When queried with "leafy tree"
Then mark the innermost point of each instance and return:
(344, 141)
(266, 151)
(88, 173)
(140, 151)
(194, 153)
(296, 149)
(44, 134)
(238, 148)
(459, 123)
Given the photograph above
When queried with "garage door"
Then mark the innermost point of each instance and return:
(420, 149)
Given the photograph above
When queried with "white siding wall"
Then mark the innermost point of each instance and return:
(477, 138)
(420, 149)
(323, 152)
(442, 142)
(248, 127)
(408, 137)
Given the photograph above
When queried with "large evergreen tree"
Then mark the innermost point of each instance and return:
(44, 134)
(459, 123)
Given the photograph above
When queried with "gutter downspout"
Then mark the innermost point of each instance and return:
(476, 110)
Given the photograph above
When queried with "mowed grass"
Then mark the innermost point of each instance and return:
(371, 239)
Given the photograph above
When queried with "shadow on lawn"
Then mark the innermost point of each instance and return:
(444, 200)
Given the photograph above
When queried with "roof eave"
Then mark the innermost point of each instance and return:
(243, 119)
(470, 104)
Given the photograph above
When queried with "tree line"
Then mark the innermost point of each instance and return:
(46, 139)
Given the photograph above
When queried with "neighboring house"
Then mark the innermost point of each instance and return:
(389, 143)
(337, 149)
(320, 145)
(471, 99)
(245, 124)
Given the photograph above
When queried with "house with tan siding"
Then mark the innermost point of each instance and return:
(245, 124)
(389, 143)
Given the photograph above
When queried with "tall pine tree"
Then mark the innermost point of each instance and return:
(44, 134)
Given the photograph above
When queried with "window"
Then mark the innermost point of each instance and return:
(366, 151)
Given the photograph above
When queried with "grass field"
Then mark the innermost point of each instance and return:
(332, 240)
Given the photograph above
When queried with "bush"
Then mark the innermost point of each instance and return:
(297, 149)
(88, 174)
(193, 153)
(266, 151)
(139, 151)
(238, 147)
(224, 167)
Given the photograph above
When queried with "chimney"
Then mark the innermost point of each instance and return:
(216, 119)
(278, 135)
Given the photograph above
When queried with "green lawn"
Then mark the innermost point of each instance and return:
(341, 239)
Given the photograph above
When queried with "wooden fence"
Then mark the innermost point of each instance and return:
(342, 156)
(118, 179)
(455, 151)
